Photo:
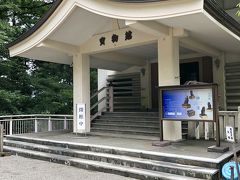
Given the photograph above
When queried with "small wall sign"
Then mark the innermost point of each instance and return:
(230, 134)
(81, 116)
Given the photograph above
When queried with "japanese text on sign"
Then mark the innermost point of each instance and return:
(230, 134)
(81, 119)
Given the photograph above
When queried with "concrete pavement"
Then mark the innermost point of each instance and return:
(19, 168)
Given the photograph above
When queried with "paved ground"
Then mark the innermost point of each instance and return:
(19, 168)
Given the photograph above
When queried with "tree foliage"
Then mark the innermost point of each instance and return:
(238, 12)
(26, 85)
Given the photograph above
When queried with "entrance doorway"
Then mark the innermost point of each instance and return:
(189, 72)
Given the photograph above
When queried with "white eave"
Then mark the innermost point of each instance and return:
(75, 21)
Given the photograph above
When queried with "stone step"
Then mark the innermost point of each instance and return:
(184, 130)
(232, 80)
(127, 99)
(126, 117)
(127, 83)
(233, 94)
(129, 121)
(142, 114)
(127, 103)
(134, 131)
(232, 108)
(233, 74)
(136, 93)
(125, 126)
(98, 166)
(232, 87)
(130, 129)
(229, 64)
(158, 156)
(127, 107)
(128, 88)
(184, 135)
(126, 136)
(133, 162)
(127, 75)
(124, 79)
(232, 66)
(233, 101)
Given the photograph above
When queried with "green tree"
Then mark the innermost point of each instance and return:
(52, 84)
(238, 12)
(28, 86)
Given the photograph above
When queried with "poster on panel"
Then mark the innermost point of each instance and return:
(188, 103)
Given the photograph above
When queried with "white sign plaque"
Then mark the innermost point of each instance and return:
(230, 134)
(81, 116)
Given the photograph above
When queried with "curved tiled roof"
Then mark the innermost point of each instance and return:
(211, 6)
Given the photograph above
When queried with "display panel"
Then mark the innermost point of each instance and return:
(188, 103)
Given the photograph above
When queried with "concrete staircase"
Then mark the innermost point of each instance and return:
(121, 161)
(126, 91)
(138, 125)
(232, 75)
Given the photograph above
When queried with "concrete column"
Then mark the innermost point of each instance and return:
(81, 88)
(168, 74)
(219, 78)
(146, 101)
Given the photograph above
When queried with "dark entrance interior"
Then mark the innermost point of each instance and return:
(189, 72)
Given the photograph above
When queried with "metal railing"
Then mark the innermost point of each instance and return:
(33, 123)
(99, 111)
(1, 139)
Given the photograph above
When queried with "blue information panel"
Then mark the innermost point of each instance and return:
(188, 104)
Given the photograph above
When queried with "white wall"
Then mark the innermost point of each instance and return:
(102, 82)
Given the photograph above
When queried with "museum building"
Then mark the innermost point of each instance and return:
(137, 47)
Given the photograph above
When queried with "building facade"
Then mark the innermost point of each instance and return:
(145, 43)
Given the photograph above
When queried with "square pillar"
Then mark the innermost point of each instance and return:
(168, 74)
(81, 89)
(219, 78)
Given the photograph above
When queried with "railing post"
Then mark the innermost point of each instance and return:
(65, 123)
(197, 130)
(11, 127)
(206, 131)
(238, 124)
(111, 98)
(49, 124)
(35, 125)
(221, 126)
(1, 138)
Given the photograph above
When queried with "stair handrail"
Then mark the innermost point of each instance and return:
(98, 92)
(99, 112)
